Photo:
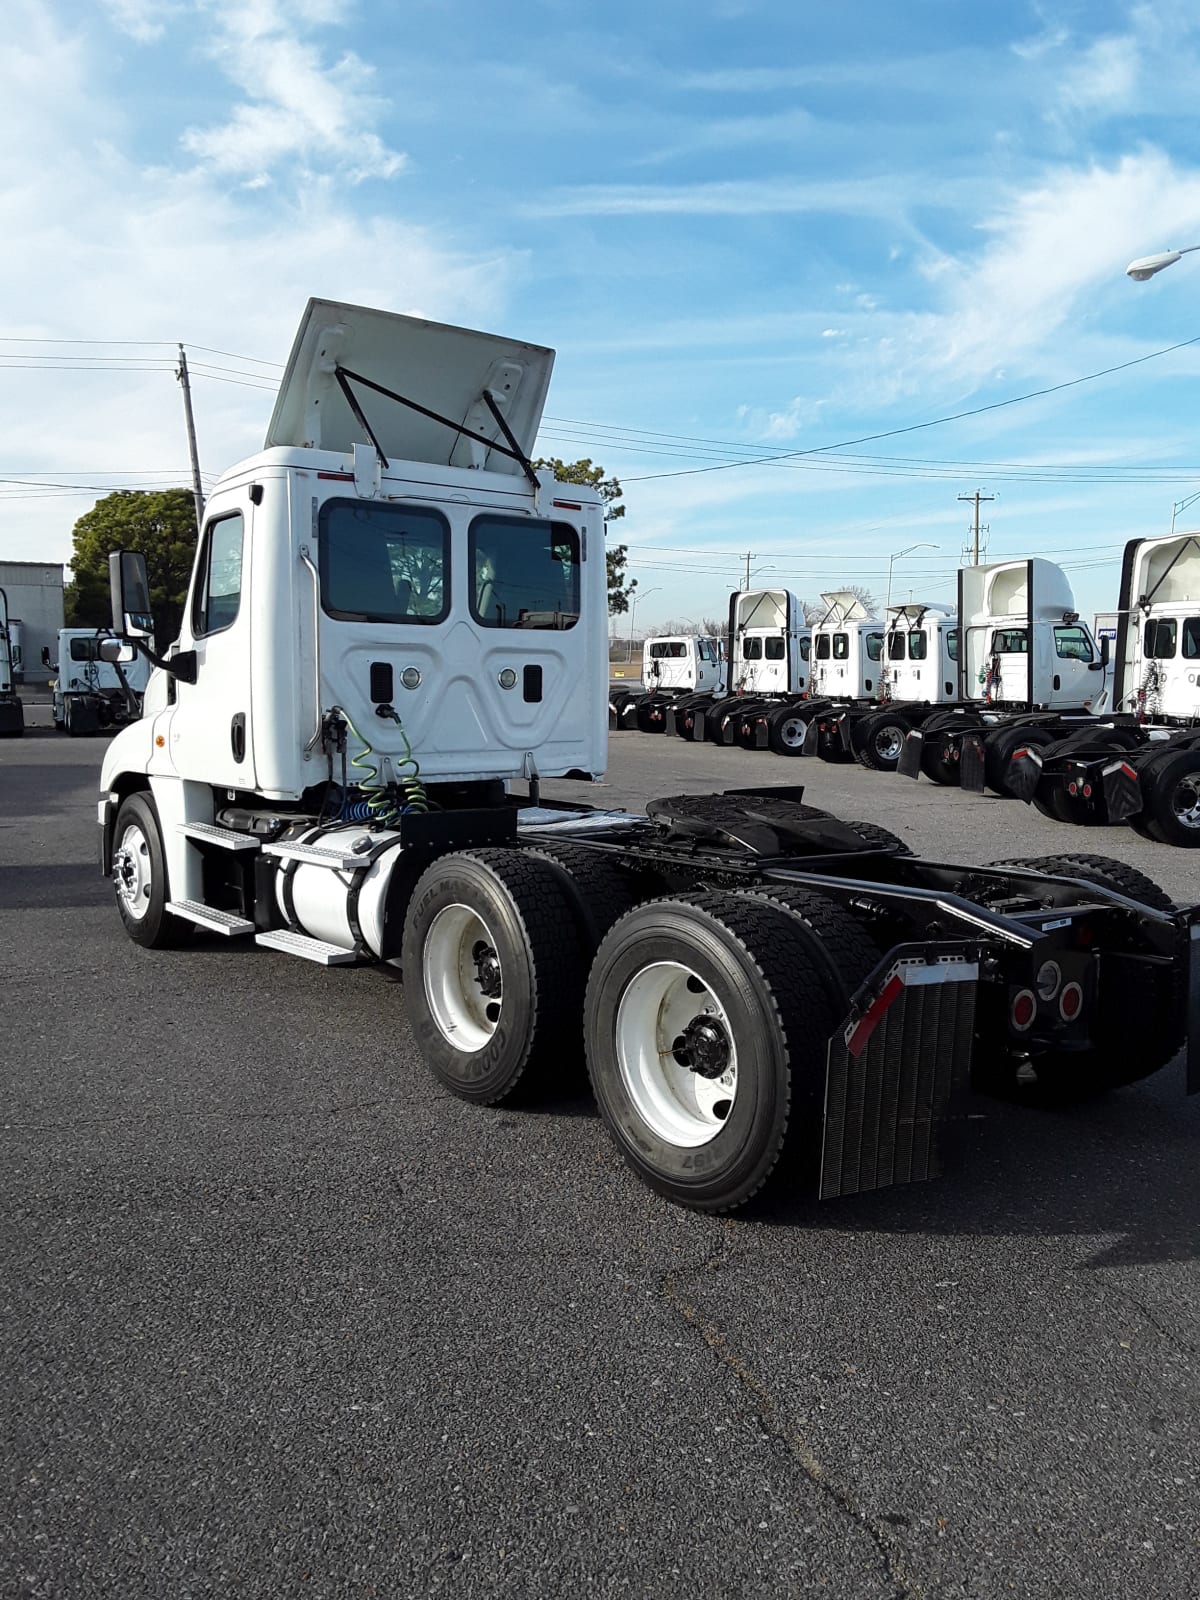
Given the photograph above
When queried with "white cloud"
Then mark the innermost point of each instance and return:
(881, 197)
(1105, 78)
(143, 20)
(298, 108)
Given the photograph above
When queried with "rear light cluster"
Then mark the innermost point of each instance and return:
(1048, 989)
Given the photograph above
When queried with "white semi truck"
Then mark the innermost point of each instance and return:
(12, 712)
(90, 694)
(394, 621)
(673, 666)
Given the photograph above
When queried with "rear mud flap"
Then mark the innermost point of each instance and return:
(844, 731)
(909, 765)
(812, 737)
(897, 1076)
(971, 768)
(1025, 773)
(762, 737)
(1193, 1036)
(1122, 792)
(698, 726)
(669, 724)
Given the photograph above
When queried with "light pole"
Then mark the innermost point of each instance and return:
(1146, 266)
(633, 613)
(924, 545)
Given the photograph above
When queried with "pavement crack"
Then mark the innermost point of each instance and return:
(1173, 1338)
(776, 1430)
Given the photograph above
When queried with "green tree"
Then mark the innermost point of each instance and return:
(162, 525)
(620, 587)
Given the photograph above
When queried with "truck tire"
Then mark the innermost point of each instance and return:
(1171, 799)
(139, 877)
(1139, 1021)
(878, 741)
(786, 731)
(599, 891)
(495, 976)
(706, 1025)
(999, 748)
(936, 766)
(837, 939)
(882, 838)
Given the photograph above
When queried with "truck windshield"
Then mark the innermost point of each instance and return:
(524, 574)
(383, 563)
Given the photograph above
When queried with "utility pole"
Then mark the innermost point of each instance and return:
(977, 498)
(181, 372)
(749, 558)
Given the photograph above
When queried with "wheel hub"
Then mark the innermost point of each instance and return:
(1185, 801)
(703, 1047)
(487, 970)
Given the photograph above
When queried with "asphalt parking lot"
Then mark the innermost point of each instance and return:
(280, 1317)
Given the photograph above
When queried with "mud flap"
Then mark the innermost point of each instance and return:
(1122, 792)
(762, 736)
(844, 731)
(812, 737)
(1025, 772)
(909, 765)
(971, 770)
(698, 726)
(897, 1076)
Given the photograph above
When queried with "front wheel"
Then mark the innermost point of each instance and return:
(706, 1025)
(139, 875)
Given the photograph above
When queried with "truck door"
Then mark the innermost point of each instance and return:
(211, 734)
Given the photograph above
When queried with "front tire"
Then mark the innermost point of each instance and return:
(139, 874)
(498, 972)
(706, 1025)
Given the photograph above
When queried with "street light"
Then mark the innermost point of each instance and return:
(924, 545)
(633, 613)
(1146, 266)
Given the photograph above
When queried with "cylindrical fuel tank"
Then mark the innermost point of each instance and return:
(320, 895)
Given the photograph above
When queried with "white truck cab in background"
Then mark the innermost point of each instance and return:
(12, 713)
(90, 692)
(681, 662)
(847, 650)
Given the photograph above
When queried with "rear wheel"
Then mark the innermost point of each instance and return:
(879, 741)
(937, 763)
(1000, 747)
(786, 732)
(1138, 1026)
(706, 1025)
(1171, 799)
(491, 942)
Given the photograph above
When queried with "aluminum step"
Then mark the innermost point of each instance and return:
(318, 855)
(227, 838)
(227, 922)
(299, 944)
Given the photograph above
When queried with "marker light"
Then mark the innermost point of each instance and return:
(1023, 1010)
(1070, 1002)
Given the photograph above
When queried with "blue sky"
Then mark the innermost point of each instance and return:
(747, 229)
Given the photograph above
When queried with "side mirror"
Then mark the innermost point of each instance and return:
(130, 589)
(46, 662)
(1105, 648)
(116, 650)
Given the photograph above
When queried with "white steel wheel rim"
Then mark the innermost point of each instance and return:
(1185, 801)
(662, 1004)
(133, 871)
(463, 979)
(792, 731)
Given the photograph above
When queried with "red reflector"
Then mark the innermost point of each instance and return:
(1072, 787)
(1087, 791)
(1023, 1010)
(872, 1016)
(1070, 1002)
(568, 505)
(1128, 770)
(1019, 755)
(342, 477)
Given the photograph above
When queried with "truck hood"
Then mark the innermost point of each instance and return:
(443, 369)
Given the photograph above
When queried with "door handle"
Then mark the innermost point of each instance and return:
(237, 736)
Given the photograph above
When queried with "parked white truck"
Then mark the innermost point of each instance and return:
(12, 712)
(769, 648)
(91, 694)
(392, 619)
(673, 666)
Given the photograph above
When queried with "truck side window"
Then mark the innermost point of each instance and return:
(895, 646)
(874, 646)
(524, 574)
(383, 563)
(952, 644)
(775, 649)
(841, 646)
(1191, 638)
(85, 650)
(219, 590)
(751, 649)
(918, 645)
(657, 651)
(1072, 644)
(805, 649)
(822, 647)
(677, 649)
(1010, 642)
(1159, 638)
(707, 653)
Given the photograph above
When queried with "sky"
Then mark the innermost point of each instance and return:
(774, 245)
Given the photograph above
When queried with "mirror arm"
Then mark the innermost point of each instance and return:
(181, 665)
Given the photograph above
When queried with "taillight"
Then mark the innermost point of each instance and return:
(1023, 1010)
(1070, 1002)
